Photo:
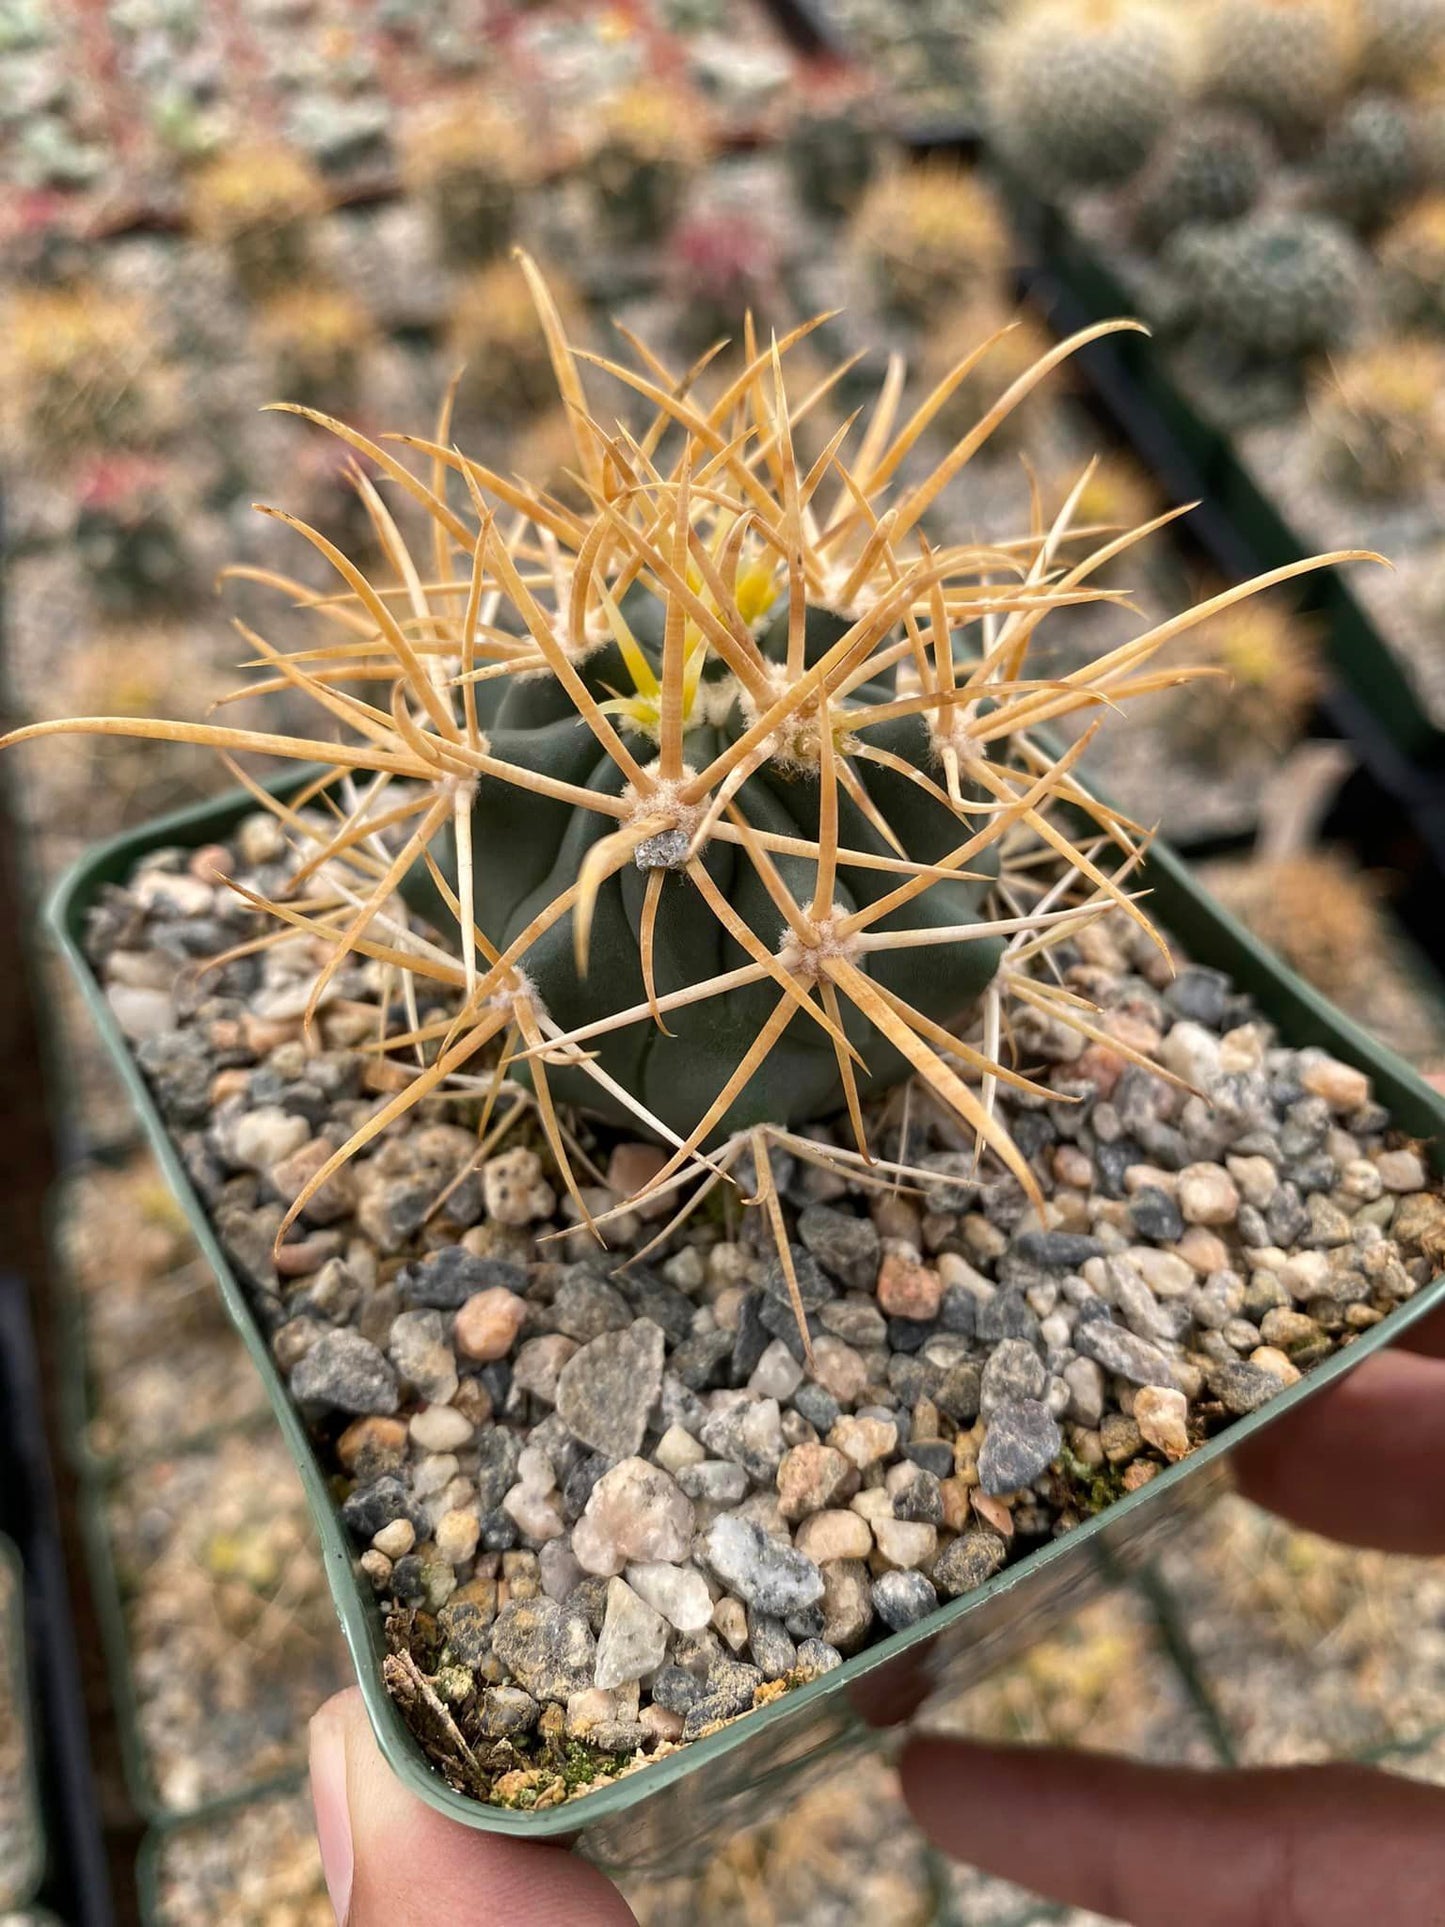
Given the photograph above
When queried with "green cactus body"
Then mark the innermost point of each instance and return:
(1212, 168)
(1276, 285)
(1369, 161)
(1078, 94)
(526, 848)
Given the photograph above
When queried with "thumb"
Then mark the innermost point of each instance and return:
(390, 1859)
(1155, 1846)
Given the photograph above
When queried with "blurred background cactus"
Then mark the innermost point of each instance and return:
(315, 337)
(1378, 418)
(1400, 39)
(128, 536)
(1212, 167)
(493, 339)
(468, 163)
(722, 266)
(1412, 256)
(648, 144)
(260, 204)
(1369, 161)
(832, 144)
(1274, 285)
(1270, 677)
(1289, 61)
(82, 369)
(1079, 91)
(1022, 340)
(928, 239)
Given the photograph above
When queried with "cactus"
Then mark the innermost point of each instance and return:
(1289, 61)
(127, 537)
(258, 203)
(1259, 703)
(1211, 168)
(492, 336)
(1369, 161)
(1022, 341)
(1402, 38)
(1077, 92)
(315, 336)
(1412, 265)
(702, 791)
(831, 145)
(1377, 420)
(1274, 286)
(80, 369)
(722, 266)
(1318, 911)
(649, 144)
(467, 164)
(1116, 494)
(929, 238)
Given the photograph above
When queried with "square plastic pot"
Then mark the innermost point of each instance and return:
(675, 1812)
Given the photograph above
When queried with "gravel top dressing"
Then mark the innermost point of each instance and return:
(611, 1500)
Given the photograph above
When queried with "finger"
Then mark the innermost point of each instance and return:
(1427, 1336)
(1328, 1846)
(391, 1861)
(1360, 1461)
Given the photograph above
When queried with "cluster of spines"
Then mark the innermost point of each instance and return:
(711, 507)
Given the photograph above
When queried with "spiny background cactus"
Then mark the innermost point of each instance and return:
(1412, 265)
(81, 369)
(1115, 493)
(259, 202)
(1369, 161)
(1022, 340)
(831, 143)
(127, 536)
(1212, 167)
(492, 336)
(705, 790)
(1077, 92)
(649, 143)
(1290, 61)
(1400, 38)
(1275, 285)
(722, 266)
(467, 162)
(315, 335)
(1377, 417)
(1258, 705)
(1318, 911)
(928, 238)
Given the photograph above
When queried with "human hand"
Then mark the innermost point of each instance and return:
(1323, 1846)
(1313, 1847)
(392, 1861)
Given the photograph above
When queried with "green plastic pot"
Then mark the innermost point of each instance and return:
(677, 1811)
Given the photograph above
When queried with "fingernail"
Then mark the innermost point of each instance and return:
(328, 1801)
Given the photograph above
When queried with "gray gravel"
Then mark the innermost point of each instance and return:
(611, 1507)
